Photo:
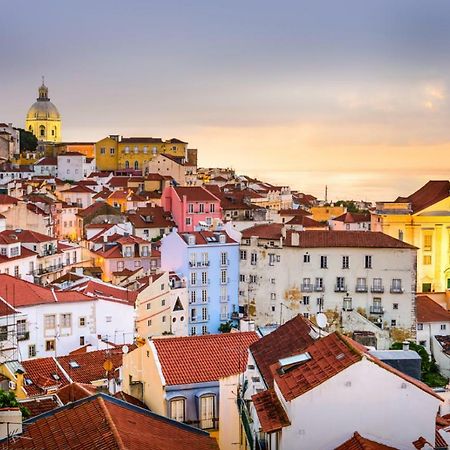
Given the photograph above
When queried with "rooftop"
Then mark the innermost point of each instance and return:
(427, 310)
(432, 192)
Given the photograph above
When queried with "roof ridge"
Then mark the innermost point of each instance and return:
(111, 424)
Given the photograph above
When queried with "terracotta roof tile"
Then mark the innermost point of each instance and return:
(350, 217)
(40, 405)
(196, 359)
(130, 399)
(75, 391)
(357, 442)
(428, 310)
(106, 423)
(78, 188)
(8, 200)
(195, 194)
(271, 414)
(265, 231)
(306, 222)
(292, 337)
(432, 192)
(27, 236)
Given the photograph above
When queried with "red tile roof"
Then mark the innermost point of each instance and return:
(271, 414)
(201, 237)
(78, 188)
(130, 399)
(47, 161)
(265, 231)
(195, 194)
(40, 405)
(357, 442)
(290, 338)
(75, 391)
(429, 194)
(151, 217)
(106, 291)
(306, 222)
(21, 293)
(350, 217)
(24, 253)
(361, 239)
(139, 140)
(8, 200)
(106, 423)
(27, 236)
(197, 359)
(427, 310)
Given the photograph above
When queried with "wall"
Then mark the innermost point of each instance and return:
(230, 423)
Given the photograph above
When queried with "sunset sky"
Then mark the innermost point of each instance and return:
(353, 94)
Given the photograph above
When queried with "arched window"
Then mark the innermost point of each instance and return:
(207, 411)
(127, 164)
(42, 131)
(177, 409)
(136, 165)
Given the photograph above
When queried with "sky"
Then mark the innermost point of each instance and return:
(349, 94)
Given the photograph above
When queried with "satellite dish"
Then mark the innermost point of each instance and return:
(321, 320)
(125, 349)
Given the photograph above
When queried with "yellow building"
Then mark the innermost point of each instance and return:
(118, 153)
(43, 119)
(324, 213)
(423, 220)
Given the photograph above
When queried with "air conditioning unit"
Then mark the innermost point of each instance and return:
(12, 385)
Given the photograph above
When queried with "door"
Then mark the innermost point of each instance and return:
(207, 411)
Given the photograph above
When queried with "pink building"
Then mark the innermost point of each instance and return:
(191, 207)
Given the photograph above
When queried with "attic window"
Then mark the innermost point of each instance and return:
(340, 356)
(55, 376)
(74, 364)
(292, 362)
(28, 382)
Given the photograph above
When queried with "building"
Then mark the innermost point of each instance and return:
(46, 166)
(210, 264)
(74, 166)
(9, 141)
(191, 207)
(109, 421)
(178, 377)
(184, 172)
(43, 119)
(423, 220)
(78, 195)
(121, 153)
(296, 381)
(286, 272)
(162, 306)
(150, 222)
(351, 222)
(58, 322)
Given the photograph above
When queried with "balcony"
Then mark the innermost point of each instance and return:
(376, 309)
(340, 288)
(235, 315)
(224, 298)
(23, 336)
(377, 289)
(318, 288)
(224, 316)
(307, 287)
(224, 263)
(198, 264)
(361, 288)
(397, 290)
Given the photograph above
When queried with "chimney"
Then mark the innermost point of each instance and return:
(10, 422)
(79, 271)
(105, 238)
(405, 346)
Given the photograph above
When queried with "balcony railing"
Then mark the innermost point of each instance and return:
(377, 289)
(307, 287)
(198, 263)
(23, 336)
(340, 288)
(318, 288)
(361, 288)
(48, 269)
(224, 298)
(375, 309)
(397, 290)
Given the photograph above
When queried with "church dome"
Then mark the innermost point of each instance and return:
(43, 108)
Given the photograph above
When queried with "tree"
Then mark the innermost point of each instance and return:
(9, 400)
(28, 141)
(225, 327)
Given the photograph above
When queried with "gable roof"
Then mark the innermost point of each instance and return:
(197, 359)
(432, 192)
(271, 413)
(264, 231)
(290, 338)
(427, 310)
(79, 189)
(195, 194)
(350, 217)
(102, 421)
(8, 200)
(357, 442)
(26, 236)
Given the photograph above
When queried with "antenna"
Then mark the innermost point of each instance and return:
(326, 193)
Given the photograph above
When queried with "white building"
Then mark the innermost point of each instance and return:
(285, 272)
(58, 322)
(351, 222)
(78, 195)
(46, 166)
(304, 382)
(15, 259)
(74, 166)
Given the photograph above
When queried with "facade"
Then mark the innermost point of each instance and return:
(27, 216)
(351, 222)
(74, 166)
(78, 195)
(191, 207)
(162, 306)
(43, 119)
(9, 141)
(120, 153)
(150, 222)
(286, 272)
(209, 262)
(46, 166)
(296, 381)
(423, 220)
(181, 170)
(179, 377)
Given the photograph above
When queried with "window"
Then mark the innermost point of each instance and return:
(102, 151)
(163, 302)
(400, 235)
(340, 284)
(306, 315)
(190, 208)
(254, 258)
(345, 262)
(145, 250)
(426, 260)
(149, 305)
(272, 259)
(193, 278)
(253, 278)
(204, 329)
(212, 207)
(112, 151)
(443, 326)
(50, 345)
(306, 258)
(396, 286)
(273, 296)
(323, 262)
(420, 326)
(204, 278)
(149, 322)
(21, 327)
(66, 320)
(368, 261)
(15, 251)
(427, 242)
(31, 351)
(361, 285)
(224, 258)
(136, 165)
(108, 319)
(204, 313)
(201, 208)
(306, 299)
(223, 277)
(82, 342)
(188, 221)
(3, 333)
(393, 323)
(318, 285)
(193, 297)
(242, 278)
(16, 271)
(207, 409)
(243, 255)
(163, 319)
(177, 409)
(193, 331)
(426, 287)
(394, 305)
(49, 322)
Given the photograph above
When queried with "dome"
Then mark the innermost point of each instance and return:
(43, 110)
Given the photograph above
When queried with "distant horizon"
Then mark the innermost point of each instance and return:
(353, 97)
